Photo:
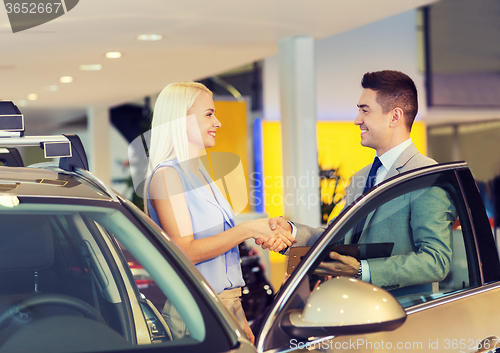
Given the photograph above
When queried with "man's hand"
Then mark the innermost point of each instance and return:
(342, 265)
(281, 222)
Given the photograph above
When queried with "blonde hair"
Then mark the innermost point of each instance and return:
(168, 128)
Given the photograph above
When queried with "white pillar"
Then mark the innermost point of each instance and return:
(298, 123)
(455, 144)
(98, 152)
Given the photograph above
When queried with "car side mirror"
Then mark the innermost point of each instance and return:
(345, 306)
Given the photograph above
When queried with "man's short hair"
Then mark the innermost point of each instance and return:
(394, 90)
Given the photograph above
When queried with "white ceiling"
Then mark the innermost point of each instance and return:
(201, 38)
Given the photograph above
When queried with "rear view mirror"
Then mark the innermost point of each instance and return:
(345, 306)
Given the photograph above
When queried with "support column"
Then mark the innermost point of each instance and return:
(99, 151)
(298, 123)
(455, 144)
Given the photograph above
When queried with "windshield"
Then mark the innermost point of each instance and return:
(63, 261)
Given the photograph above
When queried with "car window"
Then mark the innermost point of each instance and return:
(425, 221)
(62, 265)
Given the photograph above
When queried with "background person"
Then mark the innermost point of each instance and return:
(186, 203)
(421, 230)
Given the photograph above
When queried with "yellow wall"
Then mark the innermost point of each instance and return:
(232, 137)
(338, 147)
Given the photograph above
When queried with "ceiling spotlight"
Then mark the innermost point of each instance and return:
(53, 88)
(32, 96)
(150, 37)
(113, 54)
(66, 79)
(92, 67)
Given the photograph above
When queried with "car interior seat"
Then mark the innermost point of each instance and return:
(26, 255)
(44, 317)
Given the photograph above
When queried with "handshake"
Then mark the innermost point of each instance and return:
(274, 234)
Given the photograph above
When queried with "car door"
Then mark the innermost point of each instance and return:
(447, 284)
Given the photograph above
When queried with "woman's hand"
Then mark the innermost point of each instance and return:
(276, 239)
(272, 244)
(276, 244)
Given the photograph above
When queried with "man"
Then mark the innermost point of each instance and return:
(419, 223)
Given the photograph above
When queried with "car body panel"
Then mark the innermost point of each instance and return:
(453, 324)
(41, 183)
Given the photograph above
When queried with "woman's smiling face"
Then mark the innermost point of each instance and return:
(202, 127)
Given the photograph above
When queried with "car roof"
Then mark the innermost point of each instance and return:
(36, 182)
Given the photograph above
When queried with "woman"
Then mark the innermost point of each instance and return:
(186, 203)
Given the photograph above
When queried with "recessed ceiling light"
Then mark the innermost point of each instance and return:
(150, 37)
(32, 96)
(113, 54)
(91, 67)
(66, 79)
(51, 88)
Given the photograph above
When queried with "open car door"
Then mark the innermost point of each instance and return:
(452, 268)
